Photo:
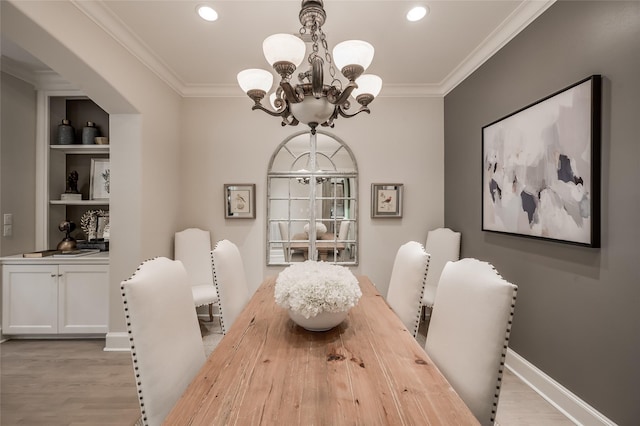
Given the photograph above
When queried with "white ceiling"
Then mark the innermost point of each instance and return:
(199, 58)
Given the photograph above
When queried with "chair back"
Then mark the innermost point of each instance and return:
(406, 286)
(231, 282)
(443, 245)
(284, 230)
(469, 332)
(166, 343)
(193, 248)
(284, 235)
(343, 233)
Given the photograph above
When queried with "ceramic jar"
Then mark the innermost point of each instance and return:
(89, 133)
(66, 133)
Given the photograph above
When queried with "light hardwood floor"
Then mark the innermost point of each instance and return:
(74, 382)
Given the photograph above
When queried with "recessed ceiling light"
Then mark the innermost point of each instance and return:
(207, 13)
(417, 13)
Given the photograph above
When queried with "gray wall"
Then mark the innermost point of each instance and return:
(577, 315)
(18, 165)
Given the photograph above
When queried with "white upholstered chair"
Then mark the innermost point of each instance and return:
(231, 282)
(443, 245)
(284, 235)
(165, 339)
(469, 332)
(343, 234)
(193, 248)
(406, 286)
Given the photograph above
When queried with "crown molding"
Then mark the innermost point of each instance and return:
(517, 21)
(212, 91)
(120, 32)
(17, 70)
(40, 79)
(50, 80)
(388, 91)
(410, 91)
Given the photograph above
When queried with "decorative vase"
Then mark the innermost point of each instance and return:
(66, 133)
(89, 133)
(321, 229)
(322, 322)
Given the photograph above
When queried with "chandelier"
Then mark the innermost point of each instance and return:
(311, 101)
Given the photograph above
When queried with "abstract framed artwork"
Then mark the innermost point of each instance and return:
(541, 168)
(386, 200)
(239, 201)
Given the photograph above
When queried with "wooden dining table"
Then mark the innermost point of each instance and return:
(325, 243)
(369, 370)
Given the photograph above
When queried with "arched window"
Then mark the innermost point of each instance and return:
(312, 178)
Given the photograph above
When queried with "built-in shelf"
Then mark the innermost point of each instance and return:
(80, 202)
(81, 149)
(58, 161)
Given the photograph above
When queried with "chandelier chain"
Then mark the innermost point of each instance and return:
(314, 39)
(327, 55)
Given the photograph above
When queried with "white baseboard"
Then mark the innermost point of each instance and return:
(117, 342)
(557, 395)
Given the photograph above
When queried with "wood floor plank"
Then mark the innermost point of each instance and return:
(76, 383)
(66, 382)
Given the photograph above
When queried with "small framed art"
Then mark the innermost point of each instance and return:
(386, 200)
(239, 201)
(100, 181)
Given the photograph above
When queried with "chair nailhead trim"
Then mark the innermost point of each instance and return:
(504, 349)
(215, 281)
(133, 353)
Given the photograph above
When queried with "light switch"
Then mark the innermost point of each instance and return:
(7, 230)
(7, 219)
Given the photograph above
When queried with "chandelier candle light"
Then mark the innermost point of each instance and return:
(318, 295)
(311, 101)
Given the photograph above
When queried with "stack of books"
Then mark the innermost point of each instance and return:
(42, 253)
(61, 253)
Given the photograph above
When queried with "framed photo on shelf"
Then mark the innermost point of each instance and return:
(386, 200)
(541, 168)
(100, 181)
(239, 201)
(95, 225)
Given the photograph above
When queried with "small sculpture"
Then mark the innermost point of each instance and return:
(72, 183)
(68, 243)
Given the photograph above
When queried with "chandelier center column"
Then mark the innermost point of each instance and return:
(312, 194)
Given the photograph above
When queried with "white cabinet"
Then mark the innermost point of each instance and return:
(83, 299)
(46, 297)
(30, 299)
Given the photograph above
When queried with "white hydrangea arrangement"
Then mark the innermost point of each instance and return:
(320, 228)
(311, 287)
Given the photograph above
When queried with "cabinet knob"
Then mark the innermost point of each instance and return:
(53, 275)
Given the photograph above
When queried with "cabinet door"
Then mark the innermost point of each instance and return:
(29, 299)
(83, 304)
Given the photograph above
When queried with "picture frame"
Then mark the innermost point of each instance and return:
(95, 225)
(100, 180)
(103, 227)
(541, 168)
(239, 201)
(386, 200)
